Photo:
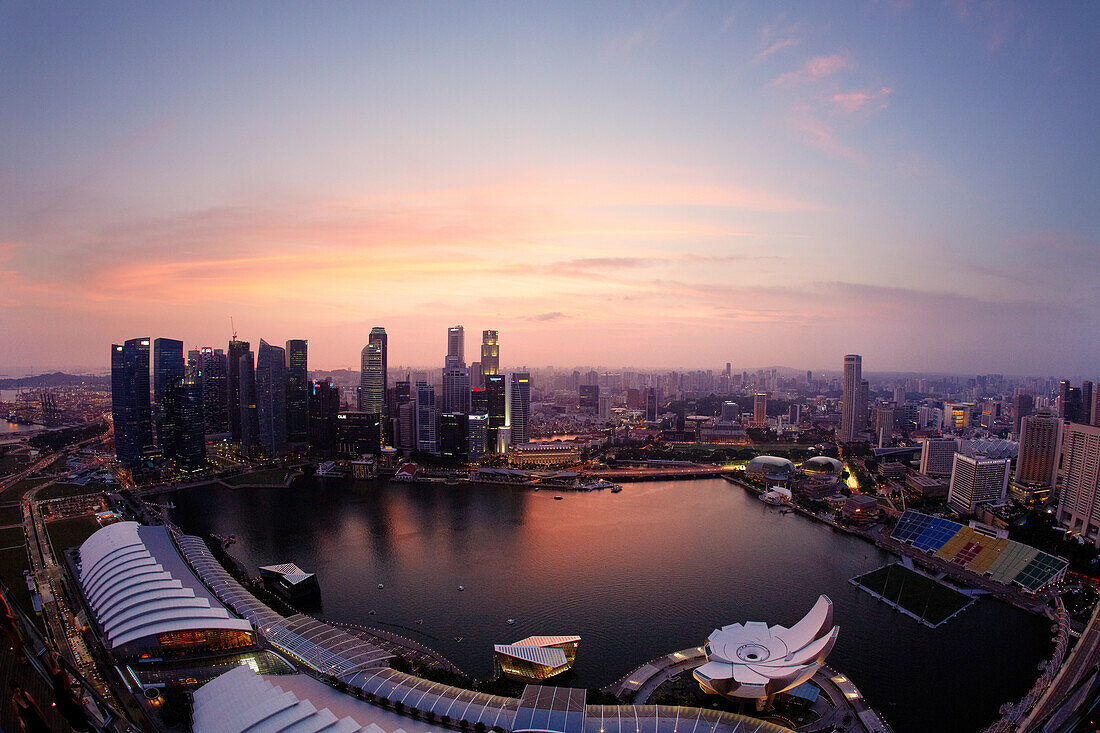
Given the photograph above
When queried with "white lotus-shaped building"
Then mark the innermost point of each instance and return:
(755, 661)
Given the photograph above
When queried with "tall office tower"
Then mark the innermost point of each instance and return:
(271, 382)
(1077, 480)
(975, 479)
(937, 456)
(456, 388)
(809, 377)
(1063, 398)
(899, 396)
(456, 346)
(1022, 406)
(478, 429)
(729, 412)
(212, 378)
(588, 399)
(185, 430)
(729, 370)
(794, 414)
(490, 353)
(130, 407)
(454, 435)
(297, 393)
(477, 375)
(427, 418)
(406, 425)
(496, 397)
(168, 368)
(324, 403)
(194, 362)
(250, 423)
(237, 349)
(651, 404)
(520, 408)
(1085, 409)
(1038, 449)
(1095, 410)
(850, 408)
(864, 404)
(1072, 405)
(592, 377)
(479, 401)
(372, 373)
(760, 409)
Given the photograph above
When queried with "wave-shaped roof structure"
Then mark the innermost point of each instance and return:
(755, 661)
(138, 586)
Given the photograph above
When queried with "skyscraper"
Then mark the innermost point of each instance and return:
(478, 428)
(520, 408)
(324, 403)
(1085, 410)
(237, 349)
(297, 392)
(454, 435)
(1077, 480)
(250, 424)
(213, 376)
(271, 382)
(1038, 449)
(760, 410)
(490, 353)
(496, 390)
(427, 418)
(1022, 405)
(185, 430)
(651, 404)
(456, 346)
(168, 368)
(850, 409)
(130, 407)
(456, 389)
(372, 373)
(976, 479)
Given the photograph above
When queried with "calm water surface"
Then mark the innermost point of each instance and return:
(637, 574)
(14, 427)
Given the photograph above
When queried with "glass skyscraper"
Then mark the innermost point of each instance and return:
(520, 411)
(297, 393)
(168, 368)
(271, 381)
(130, 407)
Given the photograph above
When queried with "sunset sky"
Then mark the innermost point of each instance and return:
(653, 185)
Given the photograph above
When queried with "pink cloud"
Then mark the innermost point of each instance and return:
(774, 48)
(852, 102)
(816, 68)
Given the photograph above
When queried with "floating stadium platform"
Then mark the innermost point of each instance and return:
(999, 559)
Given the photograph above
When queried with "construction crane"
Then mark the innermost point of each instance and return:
(233, 327)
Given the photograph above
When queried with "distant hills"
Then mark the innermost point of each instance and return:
(56, 379)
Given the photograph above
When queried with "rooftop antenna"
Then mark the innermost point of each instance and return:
(232, 326)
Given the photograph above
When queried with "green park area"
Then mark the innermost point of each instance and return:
(15, 491)
(63, 491)
(918, 594)
(70, 532)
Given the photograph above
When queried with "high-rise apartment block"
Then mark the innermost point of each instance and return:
(1038, 449)
(937, 456)
(760, 410)
(1077, 480)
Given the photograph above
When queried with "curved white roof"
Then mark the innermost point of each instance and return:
(137, 585)
(753, 660)
(241, 700)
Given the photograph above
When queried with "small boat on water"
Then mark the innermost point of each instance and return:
(380, 586)
(558, 498)
(617, 489)
(462, 587)
(511, 621)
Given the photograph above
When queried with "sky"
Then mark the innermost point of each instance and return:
(661, 185)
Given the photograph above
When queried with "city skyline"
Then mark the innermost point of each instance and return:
(666, 185)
